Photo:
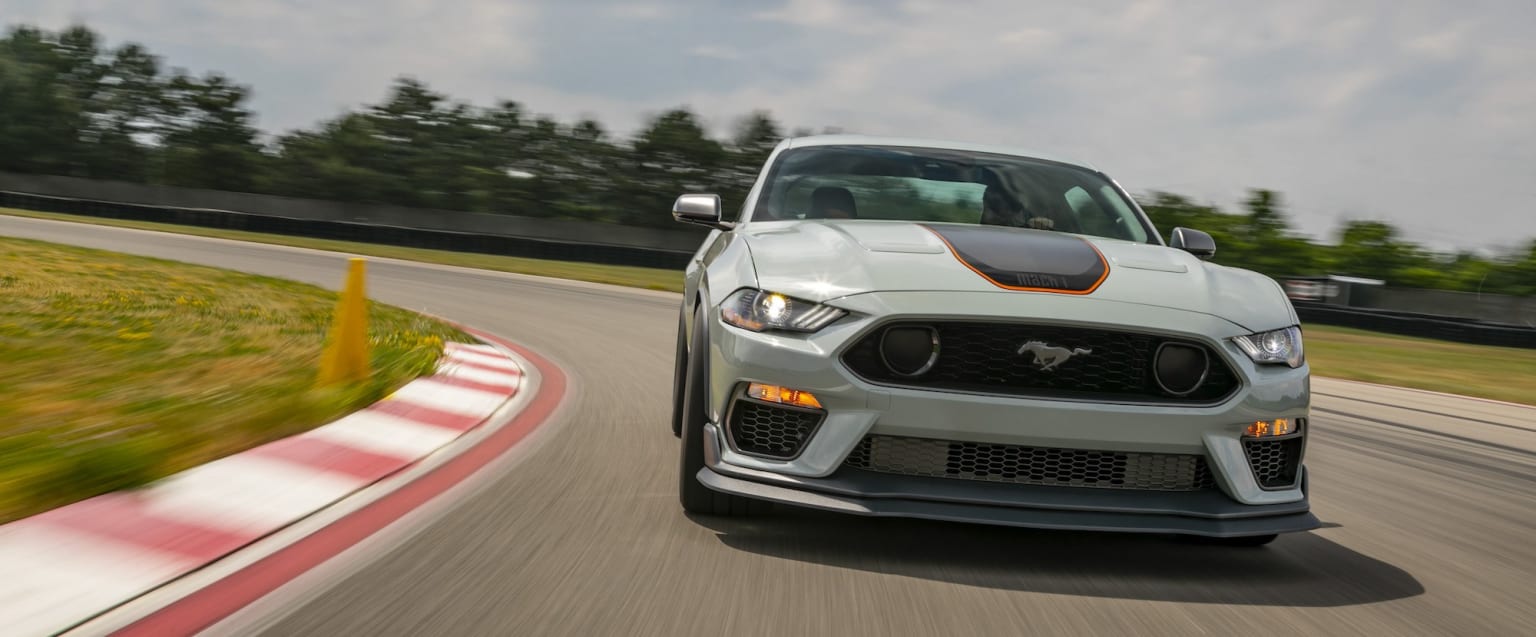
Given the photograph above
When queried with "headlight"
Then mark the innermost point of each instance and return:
(760, 311)
(1274, 347)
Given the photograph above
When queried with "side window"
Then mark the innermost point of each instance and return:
(1093, 217)
(1126, 225)
(1090, 217)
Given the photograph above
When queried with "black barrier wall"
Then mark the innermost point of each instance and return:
(532, 247)
(674, 238)
(551, 239)
(1515, 311)
(1426, 326)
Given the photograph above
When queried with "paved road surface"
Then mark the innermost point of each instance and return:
(1429, 504)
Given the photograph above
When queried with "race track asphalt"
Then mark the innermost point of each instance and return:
(1429, 505)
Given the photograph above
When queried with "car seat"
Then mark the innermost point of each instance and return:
(828, 198)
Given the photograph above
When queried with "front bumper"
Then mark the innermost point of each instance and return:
(816, 477)
(1203, 513)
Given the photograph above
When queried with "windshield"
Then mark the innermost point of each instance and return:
(922, 184)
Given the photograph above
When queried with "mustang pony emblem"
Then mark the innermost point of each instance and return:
(1049, 356)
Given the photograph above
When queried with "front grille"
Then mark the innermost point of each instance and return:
(985, 358)
(770, 430)
(1274, 462)
(1031, 465)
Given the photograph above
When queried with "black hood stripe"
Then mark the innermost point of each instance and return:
(1026, 260)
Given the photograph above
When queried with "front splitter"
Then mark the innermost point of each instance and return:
(1010, 516)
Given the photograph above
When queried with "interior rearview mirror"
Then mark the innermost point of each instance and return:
(1194, 242)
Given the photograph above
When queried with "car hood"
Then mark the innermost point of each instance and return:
(824, 260)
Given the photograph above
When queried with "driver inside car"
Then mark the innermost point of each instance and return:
(831, 202)
(999, 209)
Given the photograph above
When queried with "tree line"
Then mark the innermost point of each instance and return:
(71, 106)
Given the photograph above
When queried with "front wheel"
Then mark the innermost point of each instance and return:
(679, 375)
(693, 412)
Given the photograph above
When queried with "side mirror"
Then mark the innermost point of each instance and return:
(703, 210)
(1194, 242)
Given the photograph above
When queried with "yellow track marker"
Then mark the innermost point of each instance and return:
(346, 352)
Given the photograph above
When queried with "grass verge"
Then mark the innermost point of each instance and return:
(648, 278)
(1473, 370)
(122, 369)
(1500, 373)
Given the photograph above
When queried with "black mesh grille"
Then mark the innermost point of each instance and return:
(768, 430)
(986, 358)
(1274, 462)
(1031, 465)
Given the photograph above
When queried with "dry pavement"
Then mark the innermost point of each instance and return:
(1429, 504)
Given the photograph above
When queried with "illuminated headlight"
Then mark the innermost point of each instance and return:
(761, 311)
(1273, 348)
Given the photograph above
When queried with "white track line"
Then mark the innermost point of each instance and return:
(484, 360)
(385, 434)
(246, 494)
(444, 397)
(480, 375)
(52, 574)
(479, 348)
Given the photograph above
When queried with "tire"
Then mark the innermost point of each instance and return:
(695, 497)
(679, 376)
(1247, 541)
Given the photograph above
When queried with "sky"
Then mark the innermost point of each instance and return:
(1422, 114)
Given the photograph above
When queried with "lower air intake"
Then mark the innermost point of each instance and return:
(1031, 465)
(761, 429)
(1275, 463)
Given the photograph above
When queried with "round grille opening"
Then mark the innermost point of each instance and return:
(909, 351)
(1180, 369)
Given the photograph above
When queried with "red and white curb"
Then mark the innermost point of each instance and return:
(68, 565)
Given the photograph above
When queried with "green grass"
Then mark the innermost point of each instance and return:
(1500, 373)
(1473, 370)
(119, 369)
(648, 278)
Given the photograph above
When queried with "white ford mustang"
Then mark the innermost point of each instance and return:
(905, 328)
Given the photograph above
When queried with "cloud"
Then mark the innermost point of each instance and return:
(638, 11)
(715, 52)
(1419, 112)
(836, 15)
(1413, 112)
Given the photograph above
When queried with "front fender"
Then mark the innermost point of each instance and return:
(1250, 299)
(725, 265)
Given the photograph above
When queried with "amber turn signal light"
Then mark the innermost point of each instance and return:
(1269, 428)
(783, 395)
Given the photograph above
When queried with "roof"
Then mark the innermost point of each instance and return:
(915, 142)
